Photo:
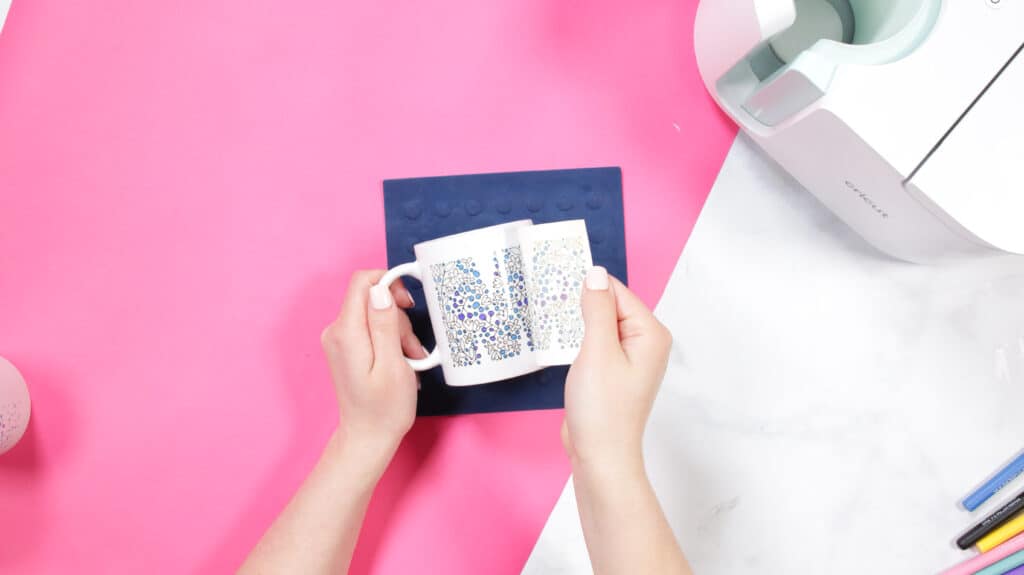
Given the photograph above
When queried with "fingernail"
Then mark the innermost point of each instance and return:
(380, 297)
(597, 278)
(412, 302)
(425, 352)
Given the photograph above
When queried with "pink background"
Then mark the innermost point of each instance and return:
(184, 189)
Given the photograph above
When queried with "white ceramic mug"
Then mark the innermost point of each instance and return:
(15, 405)
(503, 300)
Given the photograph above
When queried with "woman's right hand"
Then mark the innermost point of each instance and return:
(614, 380)
(608, 397)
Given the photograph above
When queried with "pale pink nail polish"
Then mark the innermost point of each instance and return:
(380, 297)
(597, 278)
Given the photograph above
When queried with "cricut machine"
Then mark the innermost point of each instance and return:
(904, 117)
(5, 5)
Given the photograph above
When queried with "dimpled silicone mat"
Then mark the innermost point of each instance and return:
(421, 209)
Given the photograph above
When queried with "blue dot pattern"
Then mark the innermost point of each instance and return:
(519, 301)
(478, 316)
(556, 283)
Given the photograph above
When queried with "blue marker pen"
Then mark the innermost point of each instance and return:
(1001, 479)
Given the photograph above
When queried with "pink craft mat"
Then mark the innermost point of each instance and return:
(185, 188)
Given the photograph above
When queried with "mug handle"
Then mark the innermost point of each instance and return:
(412, 269)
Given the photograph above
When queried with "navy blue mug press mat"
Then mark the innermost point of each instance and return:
(421, 209)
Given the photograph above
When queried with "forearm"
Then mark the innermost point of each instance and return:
(623, 523)
(317, 532)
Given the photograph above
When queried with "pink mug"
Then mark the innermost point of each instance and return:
(14, 405)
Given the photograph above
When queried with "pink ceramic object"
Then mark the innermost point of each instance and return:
(15, 405)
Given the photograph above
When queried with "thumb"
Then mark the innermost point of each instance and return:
(600, 318)
(385, 325)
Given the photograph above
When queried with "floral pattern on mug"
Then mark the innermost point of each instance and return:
(556, 282)
(519, 318)
(476, 314)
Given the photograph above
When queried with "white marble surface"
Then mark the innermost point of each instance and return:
(825, 407)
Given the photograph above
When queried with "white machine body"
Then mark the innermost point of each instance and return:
(904, 117)
(5, 5)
